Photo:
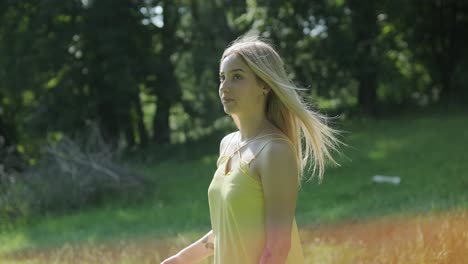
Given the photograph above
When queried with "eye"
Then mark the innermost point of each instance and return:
(221, 78)
(236, 77)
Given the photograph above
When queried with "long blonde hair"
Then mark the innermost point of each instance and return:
(285, 108)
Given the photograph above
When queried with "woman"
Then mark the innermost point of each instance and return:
(252, 196)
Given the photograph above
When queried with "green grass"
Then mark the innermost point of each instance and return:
(428, 151)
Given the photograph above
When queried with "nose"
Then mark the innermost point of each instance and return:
(223, 86)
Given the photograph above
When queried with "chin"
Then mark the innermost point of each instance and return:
(228, 110)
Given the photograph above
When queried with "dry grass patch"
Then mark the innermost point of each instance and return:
(421, 239)
(430, 238)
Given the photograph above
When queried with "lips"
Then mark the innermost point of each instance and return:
(226, 100)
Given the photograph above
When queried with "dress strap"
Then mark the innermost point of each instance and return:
(266, 143)
(229, 144)
(241, 147)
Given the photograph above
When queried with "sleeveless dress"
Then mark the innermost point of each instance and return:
(237, 214)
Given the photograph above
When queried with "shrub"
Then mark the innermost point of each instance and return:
(71, 174)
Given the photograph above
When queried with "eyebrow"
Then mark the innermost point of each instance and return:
(233, 70)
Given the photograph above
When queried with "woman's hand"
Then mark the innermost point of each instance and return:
(266, 257)
(194, 253)
(176, 259)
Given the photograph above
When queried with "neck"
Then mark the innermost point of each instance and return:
(251, 126)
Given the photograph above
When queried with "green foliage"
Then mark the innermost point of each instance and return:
(146, 71)
(418, 147)
(434, 37)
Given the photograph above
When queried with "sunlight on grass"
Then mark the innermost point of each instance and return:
(334, 217)
(419, 239)
(325, 252)
(431, 238)
(10, 243)
(384, 147)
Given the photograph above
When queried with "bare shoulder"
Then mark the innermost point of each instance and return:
(278, 166)
(278, 157)
(224, 142)
(278, 149)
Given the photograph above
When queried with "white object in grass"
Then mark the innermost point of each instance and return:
(386, 179)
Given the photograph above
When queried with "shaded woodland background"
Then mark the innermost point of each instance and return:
(145, 72)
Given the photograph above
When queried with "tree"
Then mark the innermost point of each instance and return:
(166, 88)
(115, 53)
(364, 29)
(435, 31)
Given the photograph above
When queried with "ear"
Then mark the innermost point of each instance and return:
(265, 88)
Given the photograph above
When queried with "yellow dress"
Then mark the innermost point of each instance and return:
(237, 215)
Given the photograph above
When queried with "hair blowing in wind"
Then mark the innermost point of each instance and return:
(308, 130)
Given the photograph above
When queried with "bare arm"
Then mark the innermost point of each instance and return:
(279, 171)
(204, 247)
(194, 253)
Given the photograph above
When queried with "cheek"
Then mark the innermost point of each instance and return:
(251, 91)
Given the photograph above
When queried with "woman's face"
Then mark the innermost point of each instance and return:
(239, 89)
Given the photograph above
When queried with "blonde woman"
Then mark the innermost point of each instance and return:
(252, 196)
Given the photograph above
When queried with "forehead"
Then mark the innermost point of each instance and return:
(233, 62)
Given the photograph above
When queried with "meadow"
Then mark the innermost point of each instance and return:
(345, 219)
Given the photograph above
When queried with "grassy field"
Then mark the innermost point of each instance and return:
(428, 152)
(419, 239)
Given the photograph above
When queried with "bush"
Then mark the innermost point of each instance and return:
(72, 174)
(11, 165)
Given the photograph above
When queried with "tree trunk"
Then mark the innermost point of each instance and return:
(5, 131)
(161, 130)
(446, 43)
(367, 96)
(129, 132)
(5, 137)
(446, 83)
(365, 30)
(141, 125)
(108, 123)
(167, 90)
